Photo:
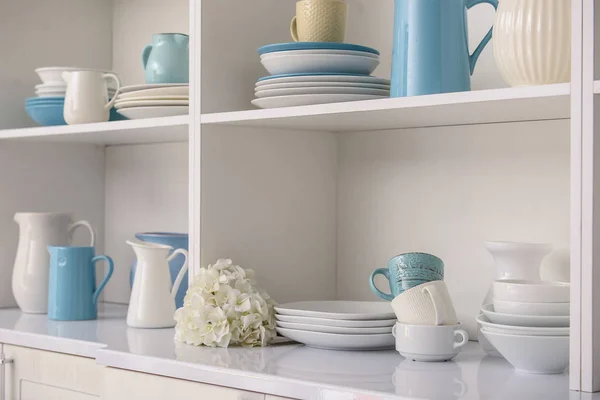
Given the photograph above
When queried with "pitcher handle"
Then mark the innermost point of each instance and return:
(146, 55)
(87, 225)
(380, 271)
(115, 78)
(475, 56)
(182, 271)
(111, 268)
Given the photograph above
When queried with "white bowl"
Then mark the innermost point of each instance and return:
(546, 321)
(521, 308)
(319, 63)
(488, 326)
(532, 292)
(334, 341)
(319, 51)
(532, 354)
(53, 75)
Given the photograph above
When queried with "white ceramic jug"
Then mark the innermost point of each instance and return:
(152, 302)
(30, 276)
(86, 100)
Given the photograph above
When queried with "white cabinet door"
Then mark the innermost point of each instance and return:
(45, 375)
(121, 384)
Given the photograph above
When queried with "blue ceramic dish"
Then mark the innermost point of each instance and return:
(48, 111)
(272, 48)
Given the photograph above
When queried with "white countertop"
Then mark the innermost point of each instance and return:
(288, 370)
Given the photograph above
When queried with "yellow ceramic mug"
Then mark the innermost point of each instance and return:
(319, 21)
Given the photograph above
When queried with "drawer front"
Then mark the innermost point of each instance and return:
(39, 391)
(46, 368)
(121, 384)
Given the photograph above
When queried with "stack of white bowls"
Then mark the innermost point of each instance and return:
(528, 324)
(305, 73)
(338, 325)
(153, 100)
(53, 84)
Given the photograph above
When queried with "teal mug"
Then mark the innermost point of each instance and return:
(406, 271)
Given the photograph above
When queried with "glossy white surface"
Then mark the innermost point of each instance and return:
(151, 103)
(161, 91)
(336, 322)
(283, 63)
(311, 99)
(134, 88)
(290, 370)
(532, 292)
(345, 310)
(316, 79)
(524, 320)
(153, 112)
(290, 85)
(429, 343)
(320, 90)
(334, 329)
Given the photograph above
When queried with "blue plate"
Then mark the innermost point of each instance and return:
(51, 113)
(272, 48)
(35, 100)
(264, 78)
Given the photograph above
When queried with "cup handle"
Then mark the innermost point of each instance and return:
(438, 304)
(394, 330)
(182, 271)
(294, 29)
(465, 338)
(111, 268)
(380, 271)
(87, 225)
(146, 55)
(473, 57)
(115, 78)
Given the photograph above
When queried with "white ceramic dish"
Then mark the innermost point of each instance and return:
(322, 78)
(150, 103)
(308, 99)
(318, 52)
(319, 63)
(133, 88)
(160, 91)
(292, 85)
(346, 310)
(378, 323)
(53, 75)
(151, 98)
(153, 112)
(520, 308)
(334, 329)
(532, 354)
(334, 341)
(320, 90)
(488, 326)
(525, 320)
(532, 292)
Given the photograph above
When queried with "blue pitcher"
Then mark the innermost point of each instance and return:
(167, 59)
(176, 241)
(72, 293)
(431, 52)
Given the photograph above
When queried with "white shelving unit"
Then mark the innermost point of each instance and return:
(313, 198)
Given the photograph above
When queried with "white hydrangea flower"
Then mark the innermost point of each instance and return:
(224, 307)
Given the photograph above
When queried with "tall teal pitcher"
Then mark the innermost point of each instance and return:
(431, 51)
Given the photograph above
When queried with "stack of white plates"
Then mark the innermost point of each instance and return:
(53, 84)
(338, 325)
(153, 100)
(306, 73)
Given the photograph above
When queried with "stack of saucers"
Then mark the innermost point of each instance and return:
(528, 324)
(153, 100)
(338, 325)
(306, 73)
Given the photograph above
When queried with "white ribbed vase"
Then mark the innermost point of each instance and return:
(532, 41)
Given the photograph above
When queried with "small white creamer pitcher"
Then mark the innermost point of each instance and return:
(86, 100)
(152, 302)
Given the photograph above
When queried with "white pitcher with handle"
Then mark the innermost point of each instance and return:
(152, 302)
(31, 271)
(86, 100)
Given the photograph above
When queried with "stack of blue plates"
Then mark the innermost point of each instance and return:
(48, 111)
(305, 73)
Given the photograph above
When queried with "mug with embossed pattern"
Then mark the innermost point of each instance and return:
(319, 21)
(406, 271)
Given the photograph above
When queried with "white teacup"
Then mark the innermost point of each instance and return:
(426, 304)
(429, 343)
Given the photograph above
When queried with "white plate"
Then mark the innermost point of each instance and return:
(150, 103)
(353, 310)
(132, 88)
(334, 341)
(309, 99)
(319, 63)
(524, 320)
(320, 90)
(521, 308)
(317, 51)
(378, 323)
(488, 326)
(291, 85)
(334, 329)
(161, 91)
(153, 112)
(533, 354)
(322, 78)
(152, 98)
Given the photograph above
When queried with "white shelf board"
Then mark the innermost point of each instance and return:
(533, 103)
(596, 87)
(135, 131)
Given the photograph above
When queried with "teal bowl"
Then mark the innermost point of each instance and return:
(48, 111)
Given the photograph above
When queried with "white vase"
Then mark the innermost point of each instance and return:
(532, 41)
